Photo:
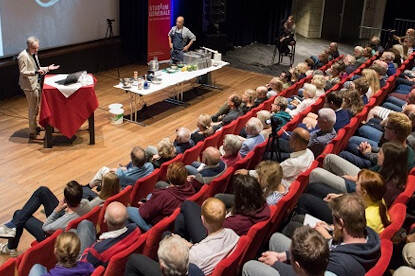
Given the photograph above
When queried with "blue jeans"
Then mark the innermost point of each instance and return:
(192, 168)
(38, 270)
(87, 234)
(135, 217)
(392, 107)
(395, 101)
(357, 160)
(370, 133)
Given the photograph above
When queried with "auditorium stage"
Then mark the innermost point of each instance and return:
(24, 167)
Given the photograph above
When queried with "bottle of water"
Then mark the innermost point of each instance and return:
(145, 82)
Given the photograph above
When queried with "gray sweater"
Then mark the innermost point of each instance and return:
(59, 220)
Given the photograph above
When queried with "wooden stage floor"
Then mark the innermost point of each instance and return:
(24, 167)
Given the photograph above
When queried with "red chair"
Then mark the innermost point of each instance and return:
(41, 253)
(9, 267)
(211, 141)
(98, 271)
(228, 129)
(258, 155)
(155, 233)
(123, 197)
(267, 105)
(192, 154)
(116, 265)
(200, 196)
(242, 122)
(231, 265)
(386, 250)
(143, 187)
(397, 213)
(165, 165)
(220, 183)
(408, 192)
(91, 216)
(244, 162)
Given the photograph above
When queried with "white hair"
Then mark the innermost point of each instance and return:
(263, 115)
(310, 89)
(173, 255)
(31, 40)
(328, 115)
(388, 56)
(183, 135)
(359, 49)
(232, 144)
(254, 126)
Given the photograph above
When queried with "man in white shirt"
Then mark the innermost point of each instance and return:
(178, 37)
(300, 159)
(30, 79)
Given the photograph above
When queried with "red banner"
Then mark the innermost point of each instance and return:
(159, 12)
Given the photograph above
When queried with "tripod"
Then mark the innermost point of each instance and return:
(272, 151)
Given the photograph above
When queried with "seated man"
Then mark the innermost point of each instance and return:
(354, 248)
(350, 62)
(233, 112)
(389, 57)
(58, 215)
(261, 95)
(254, 137)
(324, 133)
(300, 159)
(211, 167)
(275, 86)
(163, 201)
(128, 175)
(333, 51)
(211, 241)
(119, 236)
(308, 255)
(173, 255)
(183, 141)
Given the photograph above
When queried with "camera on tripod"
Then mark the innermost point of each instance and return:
(272, 151)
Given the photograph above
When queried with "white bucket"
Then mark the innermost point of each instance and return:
(117, 116)
(115, 106)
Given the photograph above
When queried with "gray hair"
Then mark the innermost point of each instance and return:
(173, 254)
(183, 135)
(232, 144)
(310, 89)
(31, 40)
(254, 126)
(263, 116)
(328, 115)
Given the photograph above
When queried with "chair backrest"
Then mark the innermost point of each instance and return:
(92, 216)
(408, 192)
(165, 165)
(244, 162)
(228, 129)
(192, 154)
(116, 265)
(230, 264)
(258, 155)
(143, 187)
(98, 271)
(200, 196)
(9, 267)
(219, 184)
(41, 253)
(397, 213)
(211, 141)
(386, 249)
(155, 233)
(241, 122)
(123, 197)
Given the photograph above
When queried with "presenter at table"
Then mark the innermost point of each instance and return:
(31, 73)
(179, 36)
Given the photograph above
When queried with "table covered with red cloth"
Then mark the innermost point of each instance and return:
(67, 114)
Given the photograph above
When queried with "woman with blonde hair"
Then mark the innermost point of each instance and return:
(269, 177)
(320, 82)
(264, 116)
(372, 78)
(67, 249)
(110, 186)
(166, 151)
(204, 125)
(248, 100)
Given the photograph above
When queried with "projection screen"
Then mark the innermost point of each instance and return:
(55, 22)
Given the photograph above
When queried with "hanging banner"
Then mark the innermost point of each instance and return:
(159, 12)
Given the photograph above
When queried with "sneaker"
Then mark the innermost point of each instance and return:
(6, 232)
(6, 251)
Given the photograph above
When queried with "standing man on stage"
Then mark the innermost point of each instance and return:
(31, 74)
(178, 37)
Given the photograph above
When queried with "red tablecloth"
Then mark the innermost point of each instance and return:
(67, 114)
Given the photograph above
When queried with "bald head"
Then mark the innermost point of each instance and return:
(211, 156)
(261, 92)
(115, 216)
(180, 22)
(299, 139)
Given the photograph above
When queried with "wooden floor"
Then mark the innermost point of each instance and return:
(24, 167)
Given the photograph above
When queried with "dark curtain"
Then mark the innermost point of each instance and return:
(248, 21)
(397, 9)
(133, 29)
(192, 11)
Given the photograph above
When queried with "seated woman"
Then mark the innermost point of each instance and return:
(264, 116)
(164, 152)
(358, 54)
(58, 214)
(234, 103)
(110, 186)
(339, 175)
(183, 140)
(204, 125)
(254, 137)
(250, 208)
(335, 74)
(320, 83)
(67, 249)
(248, 100)
(163, 201)
(278, 110)
(275, 86)
(352, 102)
(362, 86)
(372, 79)
(309, 99)
(370, 186)
(230, 151)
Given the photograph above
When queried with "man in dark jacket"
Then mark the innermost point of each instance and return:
(163, 201)
(354, 248)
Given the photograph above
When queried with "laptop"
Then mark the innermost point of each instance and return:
(71, 78)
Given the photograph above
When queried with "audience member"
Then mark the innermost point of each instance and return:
(182, 143)
(261, 95)
(278, 111)
(389, 57)
(350, 62)
(265, 116)
(110, 187)
(248, 100)
(375, 45)
(319, 82)
(275, 86)
(254, 137)
(204, 125)
(352, 101)
(358, 54)
(309, 99)
(234, 111)
(333, 51)
(231, 146)
(324, 133)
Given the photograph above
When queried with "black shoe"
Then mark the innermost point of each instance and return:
(39, 129)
